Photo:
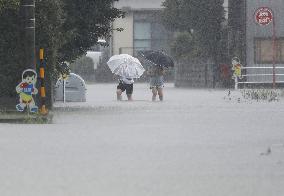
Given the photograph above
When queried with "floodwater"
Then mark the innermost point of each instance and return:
(196, 142)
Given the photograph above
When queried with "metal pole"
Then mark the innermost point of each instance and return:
(64, 84)
(28, 16)
(236, 83)
(43, 109)
(274, 50)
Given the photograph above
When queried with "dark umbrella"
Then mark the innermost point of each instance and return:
(158, 58)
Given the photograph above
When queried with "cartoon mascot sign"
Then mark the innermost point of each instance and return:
(237, 68)
(26, 89)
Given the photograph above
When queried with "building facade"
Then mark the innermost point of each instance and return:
(260, 46)
(142, 28)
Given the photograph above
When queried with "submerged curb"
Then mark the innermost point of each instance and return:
(25, 118)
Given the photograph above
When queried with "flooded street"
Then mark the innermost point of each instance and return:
(217, 66)
(194, 143)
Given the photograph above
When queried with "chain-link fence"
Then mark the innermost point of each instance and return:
(194, 73)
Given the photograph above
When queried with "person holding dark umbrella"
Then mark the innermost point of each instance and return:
(159, 61)
(156, 74)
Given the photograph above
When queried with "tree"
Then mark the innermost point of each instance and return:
(11, 48)
(171, 15)
(66, 29)
(184, 45)
(236, 28)
(85, 22)
(202, 18)
(49, 36)
(83, 66)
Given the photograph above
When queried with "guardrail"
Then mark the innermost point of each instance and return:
(237, 82)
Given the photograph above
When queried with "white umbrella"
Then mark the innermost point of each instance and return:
(126, 66)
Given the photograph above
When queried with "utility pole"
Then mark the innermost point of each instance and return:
(28, 21)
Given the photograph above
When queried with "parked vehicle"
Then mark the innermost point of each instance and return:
(75, 89)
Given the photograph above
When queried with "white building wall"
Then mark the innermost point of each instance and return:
(125, 37)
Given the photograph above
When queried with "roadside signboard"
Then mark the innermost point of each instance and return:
(263, 16)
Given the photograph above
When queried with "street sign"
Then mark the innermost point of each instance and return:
(264, 16)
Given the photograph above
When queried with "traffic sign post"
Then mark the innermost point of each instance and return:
(264, 16)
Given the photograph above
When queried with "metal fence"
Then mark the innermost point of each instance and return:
(255, 76)
(197, 74)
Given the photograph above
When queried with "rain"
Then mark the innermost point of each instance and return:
(132, 97)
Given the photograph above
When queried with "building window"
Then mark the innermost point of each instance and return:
(148, 32)
(264, 51)
(142, 35)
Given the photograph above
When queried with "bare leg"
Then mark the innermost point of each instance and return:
(161, 94)
(118, 95)
(154, 91)
(129, 97)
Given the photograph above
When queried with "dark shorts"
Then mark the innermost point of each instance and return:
(127, 87)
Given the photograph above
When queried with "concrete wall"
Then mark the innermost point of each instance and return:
(255, 30)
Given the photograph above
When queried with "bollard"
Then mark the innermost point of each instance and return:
(236, 83)
(43, 110)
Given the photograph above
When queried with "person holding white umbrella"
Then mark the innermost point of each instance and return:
(125, 84)
(128, 68)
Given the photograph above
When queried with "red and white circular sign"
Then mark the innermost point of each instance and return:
(264, 16)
